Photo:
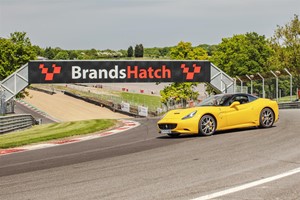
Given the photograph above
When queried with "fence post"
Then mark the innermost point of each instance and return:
(263, 84)
(291, 83)
(241, 84)
(276, 85)
(250, 83)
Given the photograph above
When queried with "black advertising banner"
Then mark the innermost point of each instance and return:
(118, 71)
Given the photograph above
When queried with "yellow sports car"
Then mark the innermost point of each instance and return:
(220, 112)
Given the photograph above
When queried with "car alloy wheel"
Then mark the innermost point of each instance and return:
(207, 125)
(266, 118)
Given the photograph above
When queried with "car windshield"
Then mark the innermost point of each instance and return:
(216, 100)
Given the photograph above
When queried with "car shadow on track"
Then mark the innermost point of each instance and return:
(178, 137)
(218, 133)
(240, 130)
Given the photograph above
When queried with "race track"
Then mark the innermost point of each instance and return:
(22, 109)
(140, 164)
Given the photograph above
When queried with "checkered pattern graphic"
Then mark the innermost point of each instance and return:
(190, 75)
(49, 75)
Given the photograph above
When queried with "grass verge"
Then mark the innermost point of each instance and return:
(53, 131)
(287, 99)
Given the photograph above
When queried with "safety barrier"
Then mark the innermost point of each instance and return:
(15, 122)
(291, 105)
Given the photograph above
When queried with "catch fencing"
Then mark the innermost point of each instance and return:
(279, 85)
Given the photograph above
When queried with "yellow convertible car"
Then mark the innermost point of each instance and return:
(220, 112)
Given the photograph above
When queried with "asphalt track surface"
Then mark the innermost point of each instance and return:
(21, 109)
(141, 164)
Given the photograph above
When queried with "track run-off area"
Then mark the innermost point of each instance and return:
(141, 164)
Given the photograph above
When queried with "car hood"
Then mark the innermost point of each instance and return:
(180, 113)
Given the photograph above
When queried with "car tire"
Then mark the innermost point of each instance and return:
(174, 135)
(207, 125)
(266, 118)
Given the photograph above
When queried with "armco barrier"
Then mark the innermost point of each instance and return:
(42, 90)
(15, 122)
(291, 105)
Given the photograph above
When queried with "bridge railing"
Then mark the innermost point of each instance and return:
(220, 80)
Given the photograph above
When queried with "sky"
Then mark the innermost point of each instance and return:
(118, 24)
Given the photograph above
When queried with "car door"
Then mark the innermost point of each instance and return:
(238, 114)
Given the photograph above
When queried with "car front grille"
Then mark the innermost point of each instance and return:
(167, 126)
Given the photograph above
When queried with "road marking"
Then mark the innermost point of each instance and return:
(248, 185)
(8, 151)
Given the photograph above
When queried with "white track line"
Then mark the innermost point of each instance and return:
(248, 185)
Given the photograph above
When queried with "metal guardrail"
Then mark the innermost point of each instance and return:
(290, 105)
(15, 122)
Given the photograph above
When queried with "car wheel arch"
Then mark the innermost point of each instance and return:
(267, 107)
(259, 119)
(211, 115)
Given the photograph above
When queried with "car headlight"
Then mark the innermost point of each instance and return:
(192, 114)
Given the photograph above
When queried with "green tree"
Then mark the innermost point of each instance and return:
(139, 51)
(15, 52)
(93, 53)
(164, 51)
(62, 55)
(130, 52)
(7, 51)
(49, 53)
(83, 56)
(286, 45)
(243, 54)
(183, 91)
(185, 51)
(209, 48)
(73, 54)
(38, 50)
(151, 52)
(179, 92)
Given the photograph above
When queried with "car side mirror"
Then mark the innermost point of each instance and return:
(234, 104)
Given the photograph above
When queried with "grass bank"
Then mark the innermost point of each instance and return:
(53, 131)
(151, 101)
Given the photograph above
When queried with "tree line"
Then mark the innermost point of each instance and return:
(239, 55)
(245, 54)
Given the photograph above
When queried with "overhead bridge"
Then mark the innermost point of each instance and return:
(66, 71)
